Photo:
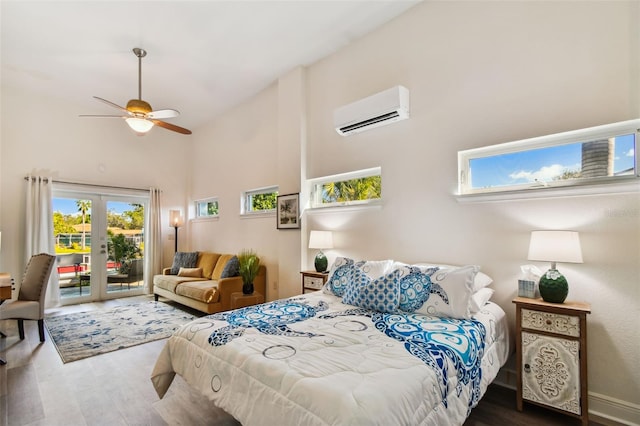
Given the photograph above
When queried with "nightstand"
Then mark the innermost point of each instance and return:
(313, 281)
(241, 300)
(551, 355)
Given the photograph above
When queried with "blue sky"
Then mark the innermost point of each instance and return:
(542, 164)
(69, 206)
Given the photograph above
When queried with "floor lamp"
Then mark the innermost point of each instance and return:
(175, 220)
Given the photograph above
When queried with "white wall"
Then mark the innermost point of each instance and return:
(483, 73)
(479, 73)
(45, 136)
(235, 153)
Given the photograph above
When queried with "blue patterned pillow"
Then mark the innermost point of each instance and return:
(340, 275)
(415, 287)
(381, 294)
(183, 260)
(232, 268)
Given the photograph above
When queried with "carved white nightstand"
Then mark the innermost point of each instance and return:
(551, 355)
(313, 281)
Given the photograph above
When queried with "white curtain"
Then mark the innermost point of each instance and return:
(39, 229)
(152, 241)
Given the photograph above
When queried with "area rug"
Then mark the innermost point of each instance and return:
(84, 334)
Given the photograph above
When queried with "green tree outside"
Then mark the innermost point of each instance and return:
(367, 188)
(264, 201)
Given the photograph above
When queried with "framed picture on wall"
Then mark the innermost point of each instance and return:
(288, 211)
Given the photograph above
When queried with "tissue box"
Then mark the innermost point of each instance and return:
(528, 289)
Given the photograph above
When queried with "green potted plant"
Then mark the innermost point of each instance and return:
(249, 266)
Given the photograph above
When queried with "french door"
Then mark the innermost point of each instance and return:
(99, 240)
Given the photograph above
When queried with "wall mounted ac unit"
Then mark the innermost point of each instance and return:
(383, 108)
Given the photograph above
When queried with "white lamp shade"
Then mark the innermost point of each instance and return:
(175, 218)
(555, 246)
(139, 125)
(321, 240)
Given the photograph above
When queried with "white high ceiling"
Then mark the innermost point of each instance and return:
(203, 56)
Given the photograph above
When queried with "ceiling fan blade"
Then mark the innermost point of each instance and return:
(113, 105)
(101, 115)
(170, 126)
(163, 113)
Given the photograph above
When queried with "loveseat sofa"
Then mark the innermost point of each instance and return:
(204, 281)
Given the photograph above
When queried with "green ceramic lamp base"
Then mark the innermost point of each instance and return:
(321, 262)
(553, 287)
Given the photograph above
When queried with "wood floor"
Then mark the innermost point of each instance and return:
(36, 388)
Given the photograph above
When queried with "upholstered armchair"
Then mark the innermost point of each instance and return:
(30, 302)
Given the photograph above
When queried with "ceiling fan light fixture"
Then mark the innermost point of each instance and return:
(139, 125)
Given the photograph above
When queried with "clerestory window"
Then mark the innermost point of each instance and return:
(207, 208)
(360, 187)
(261, 200)
(597, 155)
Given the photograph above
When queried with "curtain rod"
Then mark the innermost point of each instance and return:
(87, 184)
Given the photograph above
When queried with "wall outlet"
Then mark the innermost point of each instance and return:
(275, 285)
(172, 237)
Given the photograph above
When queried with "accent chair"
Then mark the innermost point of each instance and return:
(30, 302)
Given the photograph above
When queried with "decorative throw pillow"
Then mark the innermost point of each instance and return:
(451, 292)
(339, 276)
(481, 280)
(190, 272)
(415, 287)
(183, 260)
(232, 268)
(381, 294)
(343, 268)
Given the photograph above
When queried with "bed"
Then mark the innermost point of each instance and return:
(315, 359)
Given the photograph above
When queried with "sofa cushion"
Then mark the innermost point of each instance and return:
(190, 272)
(222, 263)
(183, 260)
(207, 261)
(170, 282)
(204, 291)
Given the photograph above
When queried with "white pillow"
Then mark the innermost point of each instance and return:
(451, 292)
(479, 299)
(481, 279)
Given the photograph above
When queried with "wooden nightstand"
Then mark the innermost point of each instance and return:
(313, 281)
(241, 300)
(551, 355)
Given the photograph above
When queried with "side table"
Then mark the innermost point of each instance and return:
(551, 355)
(241, 300)
(6, 283)
(313, 281)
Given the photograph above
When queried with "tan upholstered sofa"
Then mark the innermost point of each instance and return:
(203, 286)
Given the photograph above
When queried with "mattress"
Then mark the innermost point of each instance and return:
(313, 360)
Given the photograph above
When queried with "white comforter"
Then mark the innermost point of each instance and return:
(312, 360)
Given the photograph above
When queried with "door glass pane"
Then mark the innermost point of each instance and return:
(72, 233)
(125, 243)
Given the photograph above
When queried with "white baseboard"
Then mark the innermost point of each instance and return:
(613, 412)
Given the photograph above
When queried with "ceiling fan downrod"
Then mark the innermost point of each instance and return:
(140, 53)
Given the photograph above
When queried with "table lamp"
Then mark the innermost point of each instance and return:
(321, 240)
(554, 246)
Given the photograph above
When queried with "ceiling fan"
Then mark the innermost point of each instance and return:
(138, 113)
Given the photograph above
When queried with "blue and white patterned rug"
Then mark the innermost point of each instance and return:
(85, 334)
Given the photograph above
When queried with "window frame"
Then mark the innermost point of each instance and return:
(315, 193)
(245, 201)
(196, 216)
(597, 185)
